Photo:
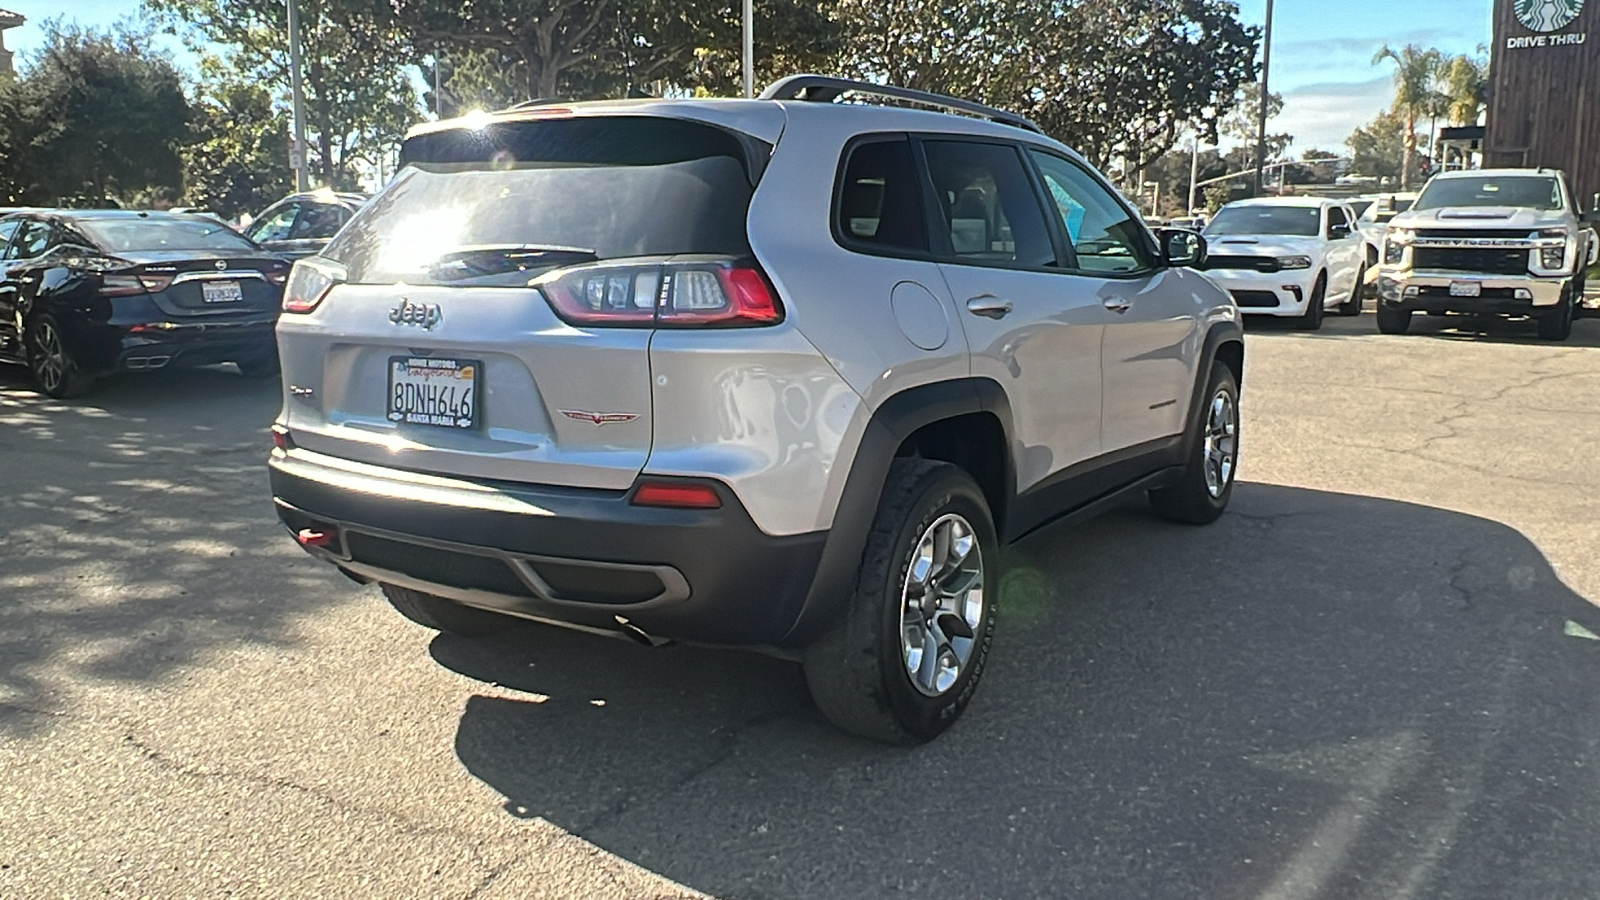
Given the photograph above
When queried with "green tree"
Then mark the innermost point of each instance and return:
(1380, 147)
(94, 118)
(237, 159)
(1466, 88)
(359, 97)
(1113, 78)
(1414, 95)
(597, 48)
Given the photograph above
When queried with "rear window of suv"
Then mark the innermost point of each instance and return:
(501, 204)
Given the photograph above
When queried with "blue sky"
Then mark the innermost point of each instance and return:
(1322, 50)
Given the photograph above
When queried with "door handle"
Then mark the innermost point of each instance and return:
(989, 306)
(1118, 304)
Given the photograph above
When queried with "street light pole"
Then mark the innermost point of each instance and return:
(1194, 173)
(1266, 70)
(297, 90)
(749, 49)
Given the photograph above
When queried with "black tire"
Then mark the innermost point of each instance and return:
(1352, 307)
(50, 360)
(1311, 320)
(259, 366)
(857, 672)
(1556, 325)
(440, 614)
(1192, 500)
(1393, 319)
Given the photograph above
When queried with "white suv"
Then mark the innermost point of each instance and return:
(780, 372)
(1289, 256)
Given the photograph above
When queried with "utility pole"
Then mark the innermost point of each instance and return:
(298, 157)
(1266, 70)
(749, 49)
(1194, 173)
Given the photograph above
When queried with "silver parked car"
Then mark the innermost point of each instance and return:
(782, 372)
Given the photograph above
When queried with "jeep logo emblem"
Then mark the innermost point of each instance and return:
(425, 314)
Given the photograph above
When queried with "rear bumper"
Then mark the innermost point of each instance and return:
(170, 345)
(585, 557)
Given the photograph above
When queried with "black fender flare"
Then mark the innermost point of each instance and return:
(1219, 335)
(896, 419)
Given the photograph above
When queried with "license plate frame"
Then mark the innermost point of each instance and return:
(1467, 289)
(429, 390)
(221, 292)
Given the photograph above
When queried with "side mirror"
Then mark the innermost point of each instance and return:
(1338, 232)
(1182, 248)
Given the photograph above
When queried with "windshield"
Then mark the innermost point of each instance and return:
(1300, 221)
(136, 235)
(500, 205)
(1523, 191)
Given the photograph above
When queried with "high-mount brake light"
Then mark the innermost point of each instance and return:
(676, 495)
(715, 293)
(309, 283)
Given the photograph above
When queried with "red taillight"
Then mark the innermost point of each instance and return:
(310, 537)
(676, 495)
(281, 439)
(132, 285)
(309, 283)
(669, 295)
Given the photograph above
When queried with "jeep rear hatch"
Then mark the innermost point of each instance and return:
(489, 314)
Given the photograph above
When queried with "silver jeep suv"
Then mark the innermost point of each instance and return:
(783, 373)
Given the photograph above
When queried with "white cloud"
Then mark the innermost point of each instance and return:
(1322, 115)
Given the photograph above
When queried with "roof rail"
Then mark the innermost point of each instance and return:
(823, 89)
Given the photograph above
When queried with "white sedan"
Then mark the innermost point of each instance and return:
(1288, 256)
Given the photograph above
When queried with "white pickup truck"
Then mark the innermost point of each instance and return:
(1491, 241)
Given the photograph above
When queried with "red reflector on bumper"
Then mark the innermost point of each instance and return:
(312, 538)
(674, 495)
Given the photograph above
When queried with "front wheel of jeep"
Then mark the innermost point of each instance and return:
(905, 657)
(1206, 485)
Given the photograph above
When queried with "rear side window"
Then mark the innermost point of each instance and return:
(989, 205)
(880, 199)
(319, 221)
(502, 204)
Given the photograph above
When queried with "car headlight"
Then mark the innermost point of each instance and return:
(1294, 262)
(1552, 257)
(1395, 241)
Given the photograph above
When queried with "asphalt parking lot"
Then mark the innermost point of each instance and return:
(1359, 684)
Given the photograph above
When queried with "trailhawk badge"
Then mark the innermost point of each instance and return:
(599, 418)
(1547, 15)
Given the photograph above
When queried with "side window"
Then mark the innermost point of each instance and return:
(275, 227)
(988, 204)
(32, 240)
(1105, 236)
(7, 229)
(880, 199)
(1336, 218)
(318, 221)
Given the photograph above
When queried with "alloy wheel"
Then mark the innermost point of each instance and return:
(50, 360)
(941, 605)
(1221, 443)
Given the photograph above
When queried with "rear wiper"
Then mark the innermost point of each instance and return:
(496, 259)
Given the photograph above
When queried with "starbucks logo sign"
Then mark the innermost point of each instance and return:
(1547, 15)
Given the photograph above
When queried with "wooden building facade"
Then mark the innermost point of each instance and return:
(1544, 102)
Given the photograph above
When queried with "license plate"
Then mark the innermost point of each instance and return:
(1466, 289)
(433, 391)
(221, 292)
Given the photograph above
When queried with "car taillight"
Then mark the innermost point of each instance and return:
(676, 495)
(309, 282)
(716, 293)
(281, 439)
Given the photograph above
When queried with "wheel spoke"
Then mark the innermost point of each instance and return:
(941, 609)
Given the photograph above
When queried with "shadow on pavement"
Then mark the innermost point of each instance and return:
(136, 534)
(1321, 695)
(1475, 329)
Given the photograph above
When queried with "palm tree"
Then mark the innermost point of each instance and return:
(1465, 82)
(1413, 91)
